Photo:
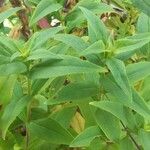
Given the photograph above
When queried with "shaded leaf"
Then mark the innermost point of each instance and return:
(86, 137)
(109, 124)
(50, 130)
(12, 111)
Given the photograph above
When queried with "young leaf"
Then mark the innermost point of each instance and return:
(50, 130)
(96, 28)
(44, 8)
(86, 137)
(12, 111)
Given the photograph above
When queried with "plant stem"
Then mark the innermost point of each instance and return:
(131, 137)
(23, 18)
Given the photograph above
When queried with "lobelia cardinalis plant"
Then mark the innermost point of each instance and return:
(74, 75)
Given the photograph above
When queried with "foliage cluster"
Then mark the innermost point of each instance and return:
(75, 74)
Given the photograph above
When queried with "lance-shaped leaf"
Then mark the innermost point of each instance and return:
(39, 38)
(128, 46)
(44, 8)
(12, 68)
(50, 130)
(43, 54)
(138, 71)
(116, 109)
(109, 124)
(7, 84)
(77, 90)
(143, 26)
(8, 46)
(96, 28)
(69, 65)
(12, 111)
(143, 5)
(139, 105)
(6, 14)
(86, 137)
(73, 41)
(95, 48)
(118, 70)
(144, 137)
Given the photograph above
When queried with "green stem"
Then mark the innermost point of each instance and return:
(28, 115)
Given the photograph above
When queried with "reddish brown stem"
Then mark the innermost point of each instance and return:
(23, 18)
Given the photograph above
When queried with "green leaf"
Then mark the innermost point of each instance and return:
(125, 48)
(64, 116)
(86, 137)
(118, 70)
(114, 91)
(77, 90)
(8, 46)
(71, 40)
(39, 38)
(126, 144)
(109, 124)
(12, 110)
(96, 28)
(50, 130)
(69, 65)
(116, 109)
(6, 14)
(144, 137)
(44, 8)
(12, 68)
(143, 25)
(138, 71)
(95, 48)
(37, 85)
(139, 105)
(6, 88)
(43, 54)
(75, 18)
(143, 5)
